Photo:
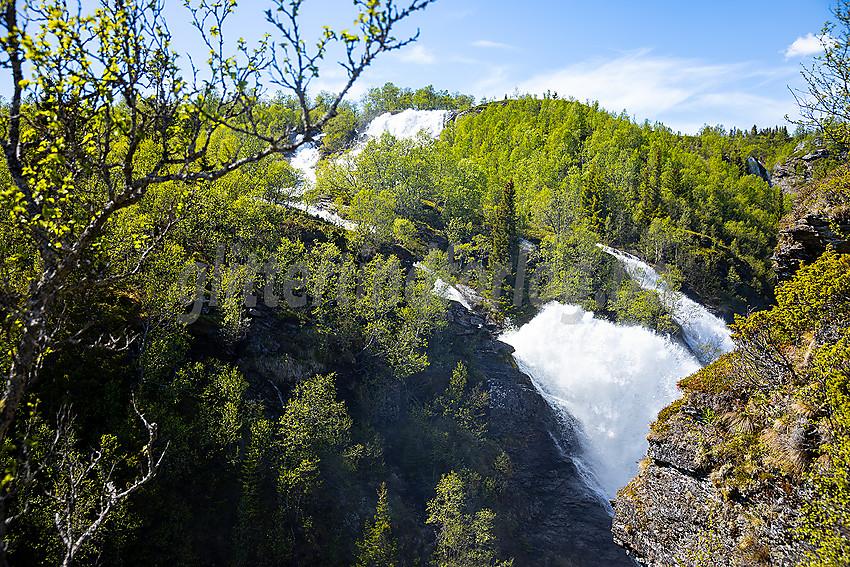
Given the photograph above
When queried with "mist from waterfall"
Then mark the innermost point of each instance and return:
(614, 379)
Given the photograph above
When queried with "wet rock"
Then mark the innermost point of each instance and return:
(688, 507)
(680, 447)
(666, 516)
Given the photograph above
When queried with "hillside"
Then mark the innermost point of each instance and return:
(214, 357)
(750, 464)
(688, 204)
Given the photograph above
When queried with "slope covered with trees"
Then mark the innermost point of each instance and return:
(196, 374)
(689, 204)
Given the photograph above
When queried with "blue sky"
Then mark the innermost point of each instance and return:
(683, 63)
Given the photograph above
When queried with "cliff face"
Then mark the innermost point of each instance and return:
(819, 219)
(797, 171)
(687, 508)
(727, 479)
(553, 519)
(805, 237)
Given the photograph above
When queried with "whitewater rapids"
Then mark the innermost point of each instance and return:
(707, 335)
(614, 379)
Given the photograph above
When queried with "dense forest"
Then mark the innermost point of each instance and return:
(581, 176)
(199, 373)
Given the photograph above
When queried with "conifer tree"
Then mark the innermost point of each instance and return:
(593, 200)
(378, 548)
(504, 236)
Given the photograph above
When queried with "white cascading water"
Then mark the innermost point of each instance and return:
(409, 123)
(406, 124)
(462, 294)
(707, 335)
(614, 379)
(305, 159)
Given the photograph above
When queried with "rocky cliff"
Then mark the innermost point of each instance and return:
(820, 217)
(728, 477)
(798, 170)
(687, 507)
(805, 236)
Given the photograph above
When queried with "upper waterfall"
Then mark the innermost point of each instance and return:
(305, 159)
(409, 123)
(406, 124)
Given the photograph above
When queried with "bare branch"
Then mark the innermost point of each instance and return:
(76, 521)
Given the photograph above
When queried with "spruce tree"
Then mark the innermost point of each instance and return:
(505, 243)
(378, 547)
(593, 200)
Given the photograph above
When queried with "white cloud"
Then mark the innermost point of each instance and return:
(636, 81)
(683, 93)
(491, 44)
(458, 14)
(809, 45)
(465, 60)
(418, 55)
(493, 82)
(740, 109)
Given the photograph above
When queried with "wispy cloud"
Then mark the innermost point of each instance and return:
(491, 44)
(333, 79)
(637, 81)
(459, 14)
(464, 60)
(494, 81)
(679, 91)
(734, 108)
(808, 45)
(418, 55)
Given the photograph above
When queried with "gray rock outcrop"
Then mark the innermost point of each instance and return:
(559, 521)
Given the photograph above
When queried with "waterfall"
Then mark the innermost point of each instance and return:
(707, 335)
(305, 159)
(406, 124)
(613, 379)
